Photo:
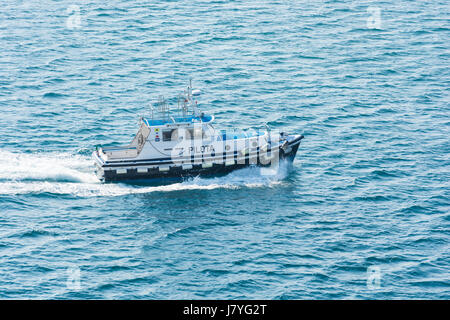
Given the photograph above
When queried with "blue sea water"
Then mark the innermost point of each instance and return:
(363, 213)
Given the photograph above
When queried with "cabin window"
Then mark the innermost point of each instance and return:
(170, 135)
(196, 133)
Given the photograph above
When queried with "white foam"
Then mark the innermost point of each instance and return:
(45, 167)
(67, 174)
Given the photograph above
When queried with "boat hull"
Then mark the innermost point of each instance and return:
(162, 170)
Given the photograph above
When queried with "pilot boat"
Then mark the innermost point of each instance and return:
(183, 143)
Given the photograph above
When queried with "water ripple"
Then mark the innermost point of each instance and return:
(369, 187)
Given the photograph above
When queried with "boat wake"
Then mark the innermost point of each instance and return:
(73, 175)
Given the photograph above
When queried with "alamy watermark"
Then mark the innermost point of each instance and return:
(200, 145)
(374, 18)
(73, 281)
(373, 277)
(74, 19)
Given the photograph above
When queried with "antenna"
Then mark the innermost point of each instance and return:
(163, 107)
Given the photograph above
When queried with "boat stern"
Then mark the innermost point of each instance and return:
(99, 163)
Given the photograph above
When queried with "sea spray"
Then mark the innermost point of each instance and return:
(66, 174)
